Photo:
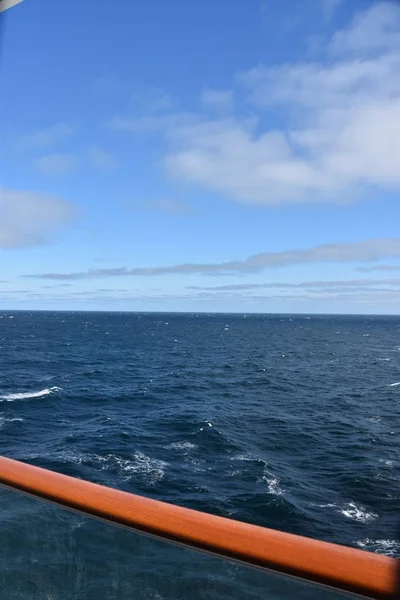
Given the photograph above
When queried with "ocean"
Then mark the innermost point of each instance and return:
(290, 422)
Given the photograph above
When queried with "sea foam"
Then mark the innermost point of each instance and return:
(183, 445)
(358, 513)
(151, 470)
(29, 395)
(388, 547)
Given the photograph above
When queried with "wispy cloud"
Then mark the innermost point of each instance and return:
(220, 100)
(378, 268)
(341, 137)
(103, 259)
(30, 218)
(11, 292)
(150, 99)
(46, 137)
(56, 286)
(373, 33)
(176, 207)
(329, 7)
(169, 124)
(56, 164)
(143, 98)
(366, 251)
(102, 159)
(341, 284)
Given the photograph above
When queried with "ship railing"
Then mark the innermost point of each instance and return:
(345, 569)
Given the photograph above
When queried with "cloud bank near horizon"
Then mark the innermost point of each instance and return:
(365, 251)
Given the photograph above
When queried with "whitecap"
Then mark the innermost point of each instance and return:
(241, 457)
(388, 463)
(273, 484)
(249, 458)
(234, 473)
(207, 423)
(196, 465)
(181, 446)
(29, 395)
(272, 481)
(388, 547)
(358, 513)
(152, 469)
(396, 384)
(70, 455)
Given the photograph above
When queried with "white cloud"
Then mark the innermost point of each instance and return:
(220, 100)
(46, 137)
(384, 268)
(30, 218)
(373, 31)
(341, 133)
(6, 4)
(169, 123)
(56, 164)
(151, 99)
(329, 7)
(370, 250)
(168, 206)
(319, 285)
(101, 158)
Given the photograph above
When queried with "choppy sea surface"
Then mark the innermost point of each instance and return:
(290, 422)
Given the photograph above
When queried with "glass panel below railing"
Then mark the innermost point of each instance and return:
(51, 553)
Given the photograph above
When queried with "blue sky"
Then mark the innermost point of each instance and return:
(200, 156)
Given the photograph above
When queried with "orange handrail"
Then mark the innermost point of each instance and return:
(344, 568)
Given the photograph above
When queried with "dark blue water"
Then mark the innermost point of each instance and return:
(287, 422)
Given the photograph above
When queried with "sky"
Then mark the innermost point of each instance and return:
(226, 155)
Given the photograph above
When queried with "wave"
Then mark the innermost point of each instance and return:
(4, 421)
(247, 457)
(273, 484)
(151, 470)
(388, 463)
(388, 547)
(396, 384)
(181, 446)
(138, 467)
(358, 513)
(350, 510)
(208, 424)
(29, 395)
(272, 481)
